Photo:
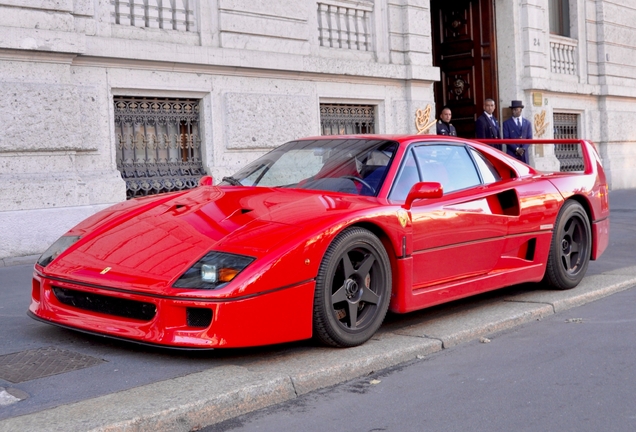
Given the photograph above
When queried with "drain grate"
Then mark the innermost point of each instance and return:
(42, 362)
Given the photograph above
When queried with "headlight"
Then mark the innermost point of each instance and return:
(56, 249)
(213, 271)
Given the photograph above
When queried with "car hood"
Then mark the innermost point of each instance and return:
(147, 244)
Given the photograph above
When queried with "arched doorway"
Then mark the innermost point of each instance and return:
(464, 48)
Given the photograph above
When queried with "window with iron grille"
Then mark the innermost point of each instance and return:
(158, 144)
(343, 119)
(566, 126)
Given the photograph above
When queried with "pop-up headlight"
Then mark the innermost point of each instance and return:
(56, 249)
(213, 271)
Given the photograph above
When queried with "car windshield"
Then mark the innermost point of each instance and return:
(356, 166)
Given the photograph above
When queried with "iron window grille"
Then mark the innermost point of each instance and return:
(341, 119)
(158, 144)
(569, 155)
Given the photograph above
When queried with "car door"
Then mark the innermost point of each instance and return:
(462, 234)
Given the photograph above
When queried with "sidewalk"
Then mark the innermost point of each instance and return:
(199, 399)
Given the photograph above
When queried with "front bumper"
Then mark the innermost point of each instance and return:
(281, 315)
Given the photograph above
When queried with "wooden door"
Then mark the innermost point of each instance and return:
(464, 49)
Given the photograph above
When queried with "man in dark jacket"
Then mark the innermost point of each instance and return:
(516, 127)
(444, 126)
(487, 125)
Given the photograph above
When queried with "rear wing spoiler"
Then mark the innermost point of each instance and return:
(578, 148)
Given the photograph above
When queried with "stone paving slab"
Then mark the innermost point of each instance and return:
(467, 325)
(628, 271)
(11, 261)
(591, 288)
(318, 368)
(180, 404)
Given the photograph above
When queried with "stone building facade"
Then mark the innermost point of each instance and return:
(92, 90)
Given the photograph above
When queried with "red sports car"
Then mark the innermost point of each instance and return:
(321, 237)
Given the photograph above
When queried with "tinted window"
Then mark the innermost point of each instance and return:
(405, 179)
(356, 166)
(488, 172)
(450, 165)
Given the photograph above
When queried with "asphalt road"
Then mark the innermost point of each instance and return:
(120, 366)
(574, 371)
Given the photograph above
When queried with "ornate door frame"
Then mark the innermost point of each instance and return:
(465, 50)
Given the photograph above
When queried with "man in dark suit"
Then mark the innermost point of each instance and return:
(516, 127)
(487, 125)
(444, 126)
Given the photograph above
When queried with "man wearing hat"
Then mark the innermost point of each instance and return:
(444, 126)
(516, 127)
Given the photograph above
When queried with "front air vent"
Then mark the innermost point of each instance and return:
(198, 317)
(105, 304)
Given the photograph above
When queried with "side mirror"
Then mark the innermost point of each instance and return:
(206, 180)
(423, 190)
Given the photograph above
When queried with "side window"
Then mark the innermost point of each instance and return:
(405, 179)
(488, 172)
(450, 165)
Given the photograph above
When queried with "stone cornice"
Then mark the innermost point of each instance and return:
(108, 52)
(54, 41)
(36, 56)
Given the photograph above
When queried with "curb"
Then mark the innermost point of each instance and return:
(22, 260)
(197, 400)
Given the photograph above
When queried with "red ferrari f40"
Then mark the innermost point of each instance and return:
(321, 237)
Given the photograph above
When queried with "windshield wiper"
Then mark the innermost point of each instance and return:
(231, 180)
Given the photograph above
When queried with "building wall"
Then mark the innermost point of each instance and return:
(257, 67)
(261, 72)
(602, 90)
(612, 64)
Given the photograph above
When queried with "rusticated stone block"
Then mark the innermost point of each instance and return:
(40, 117)
(266, 120)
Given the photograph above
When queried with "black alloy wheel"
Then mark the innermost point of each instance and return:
(570, 249)
(353, 289)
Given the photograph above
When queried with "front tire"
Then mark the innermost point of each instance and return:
(570, 248)
(353, 289)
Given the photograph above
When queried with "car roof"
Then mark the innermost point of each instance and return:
(406, 139)
(394, 137)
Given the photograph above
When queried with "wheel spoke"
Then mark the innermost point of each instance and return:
(339, 296)
(570, 228)
(366, 265)
(369, 296)
(566, 259)
(574, 247)
(352, 314)
(347, 266)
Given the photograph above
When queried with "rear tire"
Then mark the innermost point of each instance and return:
(570, 248)
(353, 289)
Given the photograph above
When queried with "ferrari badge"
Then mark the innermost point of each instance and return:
(403, 217)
